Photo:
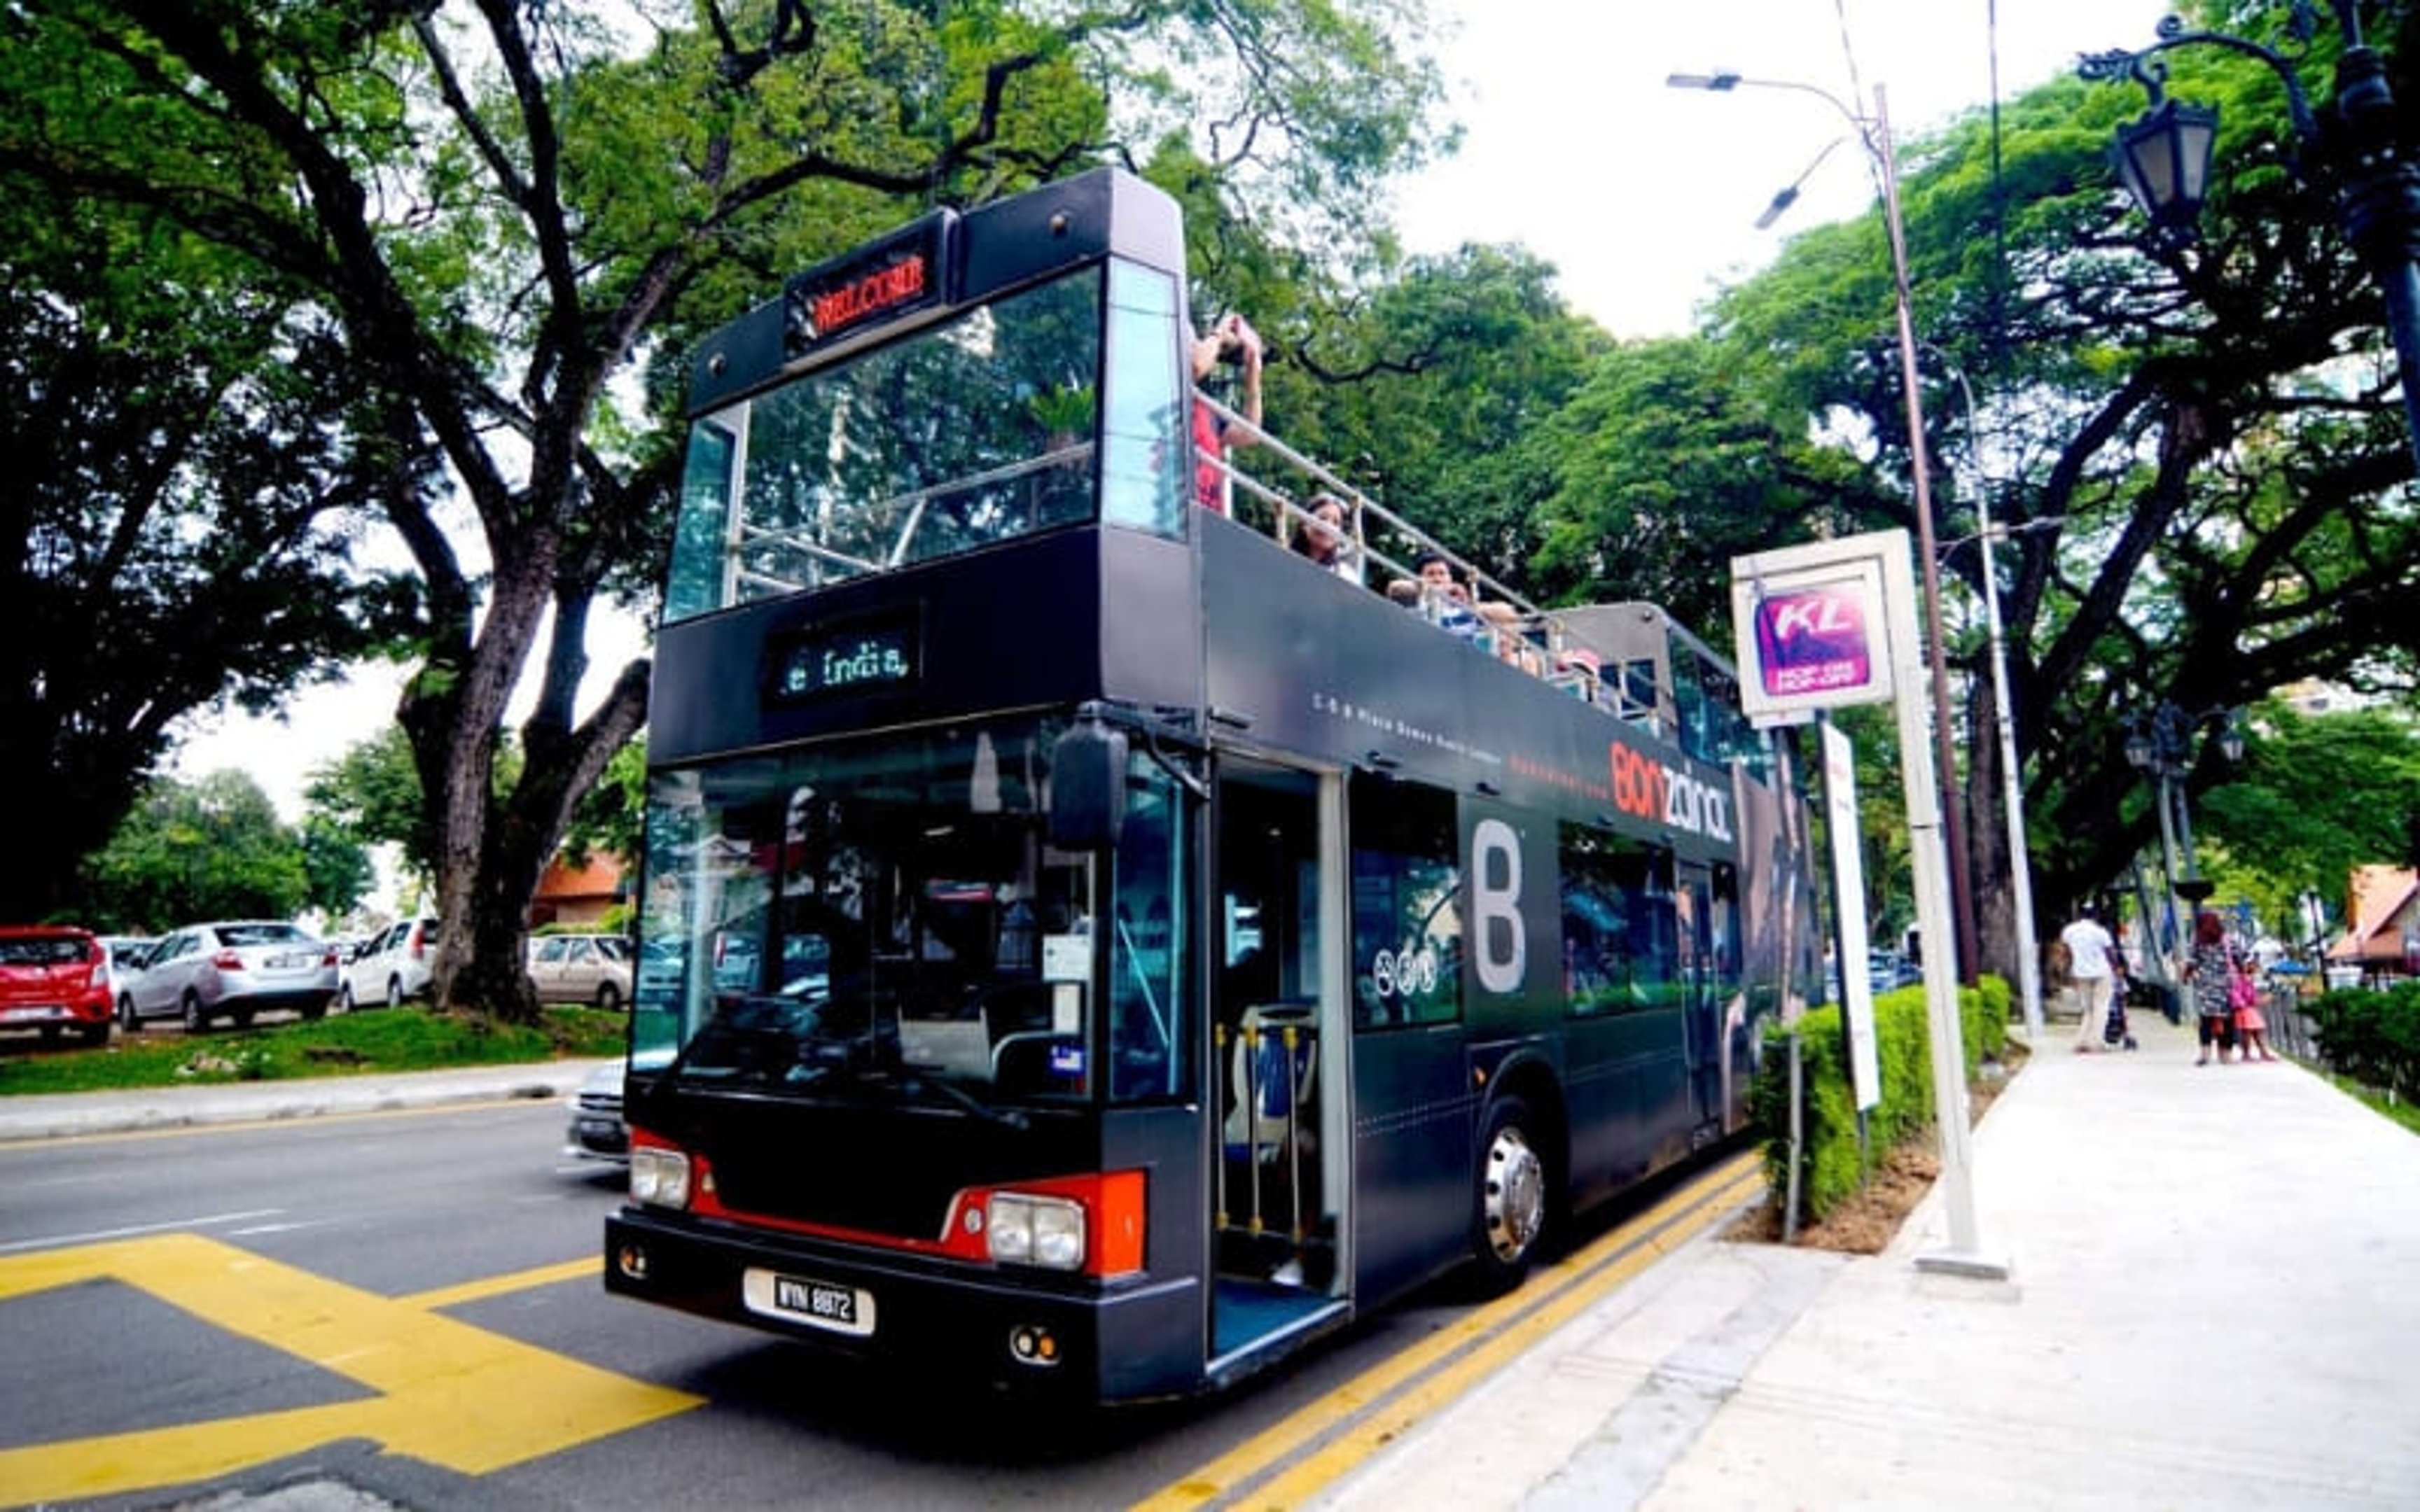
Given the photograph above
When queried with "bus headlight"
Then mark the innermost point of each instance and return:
(1033, 1230)
(659, 1178)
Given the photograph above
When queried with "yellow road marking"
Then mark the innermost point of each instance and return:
(591, 1269)
(1382, 1403)
(445, 1392)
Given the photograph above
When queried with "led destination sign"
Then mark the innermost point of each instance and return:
(895, 275)
(837, 660)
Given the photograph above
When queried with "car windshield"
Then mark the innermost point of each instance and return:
(44, 950)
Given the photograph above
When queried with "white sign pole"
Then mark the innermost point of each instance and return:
(1849, 886)
(1931, 854)
(1805, 618)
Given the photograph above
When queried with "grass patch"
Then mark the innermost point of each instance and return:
(2386, 1105)
(346, 1045)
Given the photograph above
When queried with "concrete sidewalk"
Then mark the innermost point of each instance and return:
(66, 1115)
(2215, 1303)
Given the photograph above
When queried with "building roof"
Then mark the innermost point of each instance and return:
(564, 883)
(2384, 902)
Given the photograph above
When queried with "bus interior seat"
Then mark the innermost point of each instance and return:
(1258, 1070)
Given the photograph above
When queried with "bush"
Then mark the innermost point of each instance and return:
(1832, 1169)
(2372, 1037)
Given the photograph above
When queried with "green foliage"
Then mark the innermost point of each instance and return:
(2373, 1037)
(173, 520)
(613, 817)
(2314, 797)
(371, 795)
(346, 1044)
(214, 849)
(1423, 392)
(1833, 1164)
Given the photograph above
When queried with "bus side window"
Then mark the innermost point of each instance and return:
(1407, 924)
(1618, 924)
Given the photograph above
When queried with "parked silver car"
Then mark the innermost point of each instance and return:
(598, 1132)
(233, 970)
(580, 968)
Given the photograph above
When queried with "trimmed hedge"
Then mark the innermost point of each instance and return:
(2372, 1037)
(1831, 1171)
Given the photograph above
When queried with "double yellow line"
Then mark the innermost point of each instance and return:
(1291, 1463)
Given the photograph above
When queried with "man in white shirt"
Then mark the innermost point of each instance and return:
(2088, 949)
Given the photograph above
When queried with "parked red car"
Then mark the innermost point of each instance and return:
(53, 978)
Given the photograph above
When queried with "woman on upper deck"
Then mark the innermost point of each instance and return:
(1320, 537)
(1231, 340)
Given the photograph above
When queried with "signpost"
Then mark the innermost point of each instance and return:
(1829, 624)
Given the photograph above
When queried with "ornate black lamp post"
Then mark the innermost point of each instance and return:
(2160, 747)
(2164, 159)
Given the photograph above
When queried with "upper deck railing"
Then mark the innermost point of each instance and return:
(1273, 487)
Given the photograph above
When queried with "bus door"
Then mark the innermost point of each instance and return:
(1276, 994)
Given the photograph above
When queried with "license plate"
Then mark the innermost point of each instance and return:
(816, 1303)
(30, 1016)
(288, 963)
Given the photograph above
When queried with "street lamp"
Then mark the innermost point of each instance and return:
(2164, 159)
(1926, 810)
(1874, 133)
(2160, 747)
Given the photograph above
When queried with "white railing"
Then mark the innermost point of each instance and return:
(1492, 617)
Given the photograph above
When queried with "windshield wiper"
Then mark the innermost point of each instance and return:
(915, 1083)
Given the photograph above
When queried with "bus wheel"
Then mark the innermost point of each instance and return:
(1512, 1204)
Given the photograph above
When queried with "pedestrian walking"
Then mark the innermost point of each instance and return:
(2090, 954)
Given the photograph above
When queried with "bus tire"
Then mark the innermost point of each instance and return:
(1509, 1214)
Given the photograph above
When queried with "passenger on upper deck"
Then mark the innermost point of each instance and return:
(1320, 535)
(1229, 341)
(1438, 593)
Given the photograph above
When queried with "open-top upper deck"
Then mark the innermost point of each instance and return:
(953, 471)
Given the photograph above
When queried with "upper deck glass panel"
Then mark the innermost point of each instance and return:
(974, 431)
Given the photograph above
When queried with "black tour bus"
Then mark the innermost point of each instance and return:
(1085, 947)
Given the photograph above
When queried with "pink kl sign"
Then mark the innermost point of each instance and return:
(1813, 641)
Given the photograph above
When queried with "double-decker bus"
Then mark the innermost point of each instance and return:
(1088, 948)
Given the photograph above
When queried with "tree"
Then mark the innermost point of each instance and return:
(1423, 387)
(213, 849)
(2314, 797)
(173, 526)
(503, 208)
(371, 796)
(2195, 449)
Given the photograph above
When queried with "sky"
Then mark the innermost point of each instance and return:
(1643, 197)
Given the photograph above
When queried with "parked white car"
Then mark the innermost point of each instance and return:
(580, 968)
(391, 966)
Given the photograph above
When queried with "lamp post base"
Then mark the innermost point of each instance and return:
(1967, 1265)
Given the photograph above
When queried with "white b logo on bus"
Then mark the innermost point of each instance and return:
(1500, 944)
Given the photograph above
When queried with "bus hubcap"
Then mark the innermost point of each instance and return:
(1515, 1197)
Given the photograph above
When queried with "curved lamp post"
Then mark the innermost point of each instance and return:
(1930, 821)
(1874, 133)
(2164, 159)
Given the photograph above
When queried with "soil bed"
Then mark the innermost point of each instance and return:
(1868, 1221)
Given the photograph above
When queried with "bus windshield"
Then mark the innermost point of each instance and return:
(964, 433)
(886, 919)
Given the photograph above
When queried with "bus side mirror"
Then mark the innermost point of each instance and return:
(1088, 787)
